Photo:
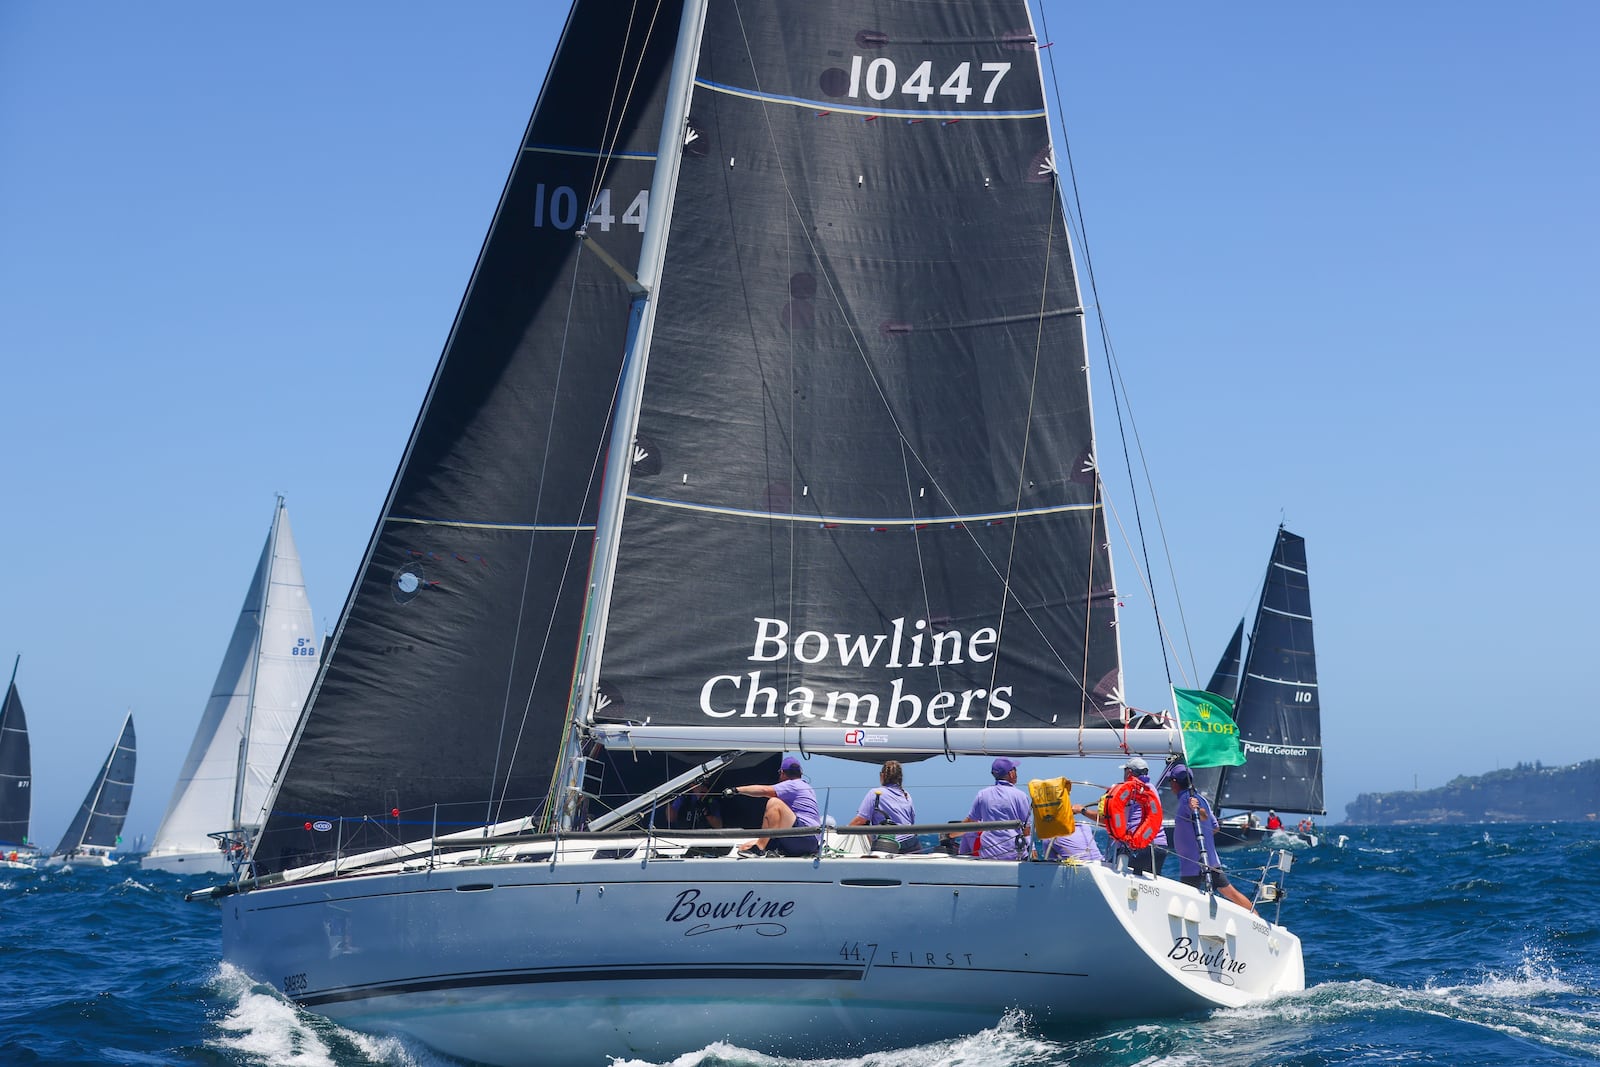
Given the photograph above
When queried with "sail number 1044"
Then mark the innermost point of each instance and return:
(879, 78)
(560, 207)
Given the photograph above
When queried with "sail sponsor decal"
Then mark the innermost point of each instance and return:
(905, 647)
(1257, 748)
(861, 738)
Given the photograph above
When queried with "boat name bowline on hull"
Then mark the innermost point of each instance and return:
(606, 953)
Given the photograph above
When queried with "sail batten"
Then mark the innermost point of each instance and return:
(833, 107)
(858, 520)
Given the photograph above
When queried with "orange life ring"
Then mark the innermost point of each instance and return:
(1133, 791)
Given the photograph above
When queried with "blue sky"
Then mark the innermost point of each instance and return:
(1346, 256)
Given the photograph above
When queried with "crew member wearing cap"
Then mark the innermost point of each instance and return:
(1002, 802)
(791, 802)
(1140, 861)
(1190, 808)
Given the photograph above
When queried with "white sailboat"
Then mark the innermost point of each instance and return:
(764, 427)
(96, 830)
(263, 681)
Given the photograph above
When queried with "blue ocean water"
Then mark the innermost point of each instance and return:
(1453, 945)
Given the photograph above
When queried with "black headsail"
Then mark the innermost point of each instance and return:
(16, 774)
(99, 819)
(1225, 679)
(864, 492)
(443, 698)
(1279, 710)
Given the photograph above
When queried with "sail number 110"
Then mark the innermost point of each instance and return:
(880, 79)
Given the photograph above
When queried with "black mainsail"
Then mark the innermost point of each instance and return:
(1279, 710)
(98, 823)
(444, 690)
(16, 769)
(865, 492)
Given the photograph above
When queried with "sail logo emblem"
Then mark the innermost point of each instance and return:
(861, 737)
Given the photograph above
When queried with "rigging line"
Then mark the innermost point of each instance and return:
(590, 483)
(598, 454)
(1145, 583)
(1022, 469)
(571, 716)
(1114, 368)
(607, 154)
(860, 350)
(793, 530)
(922, 569)
(608, 150)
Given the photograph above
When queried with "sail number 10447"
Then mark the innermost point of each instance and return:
(880, 80)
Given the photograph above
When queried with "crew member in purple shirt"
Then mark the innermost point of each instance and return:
(1002, 802)
(1079, 845)
(1189, 809)
(889, 804)
(790, 802)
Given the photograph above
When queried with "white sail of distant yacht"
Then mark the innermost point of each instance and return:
(265, 675)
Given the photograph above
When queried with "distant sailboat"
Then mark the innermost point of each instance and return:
(16, 782)
(1278, 710)
(97, 829)
(265, 676)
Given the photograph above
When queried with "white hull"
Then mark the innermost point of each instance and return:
(517, 963)
(88, 859)
(211, 861)
(18, 864)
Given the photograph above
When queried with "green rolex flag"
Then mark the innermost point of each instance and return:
(1210, 738)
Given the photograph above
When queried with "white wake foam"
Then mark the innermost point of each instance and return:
(265, 1028)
